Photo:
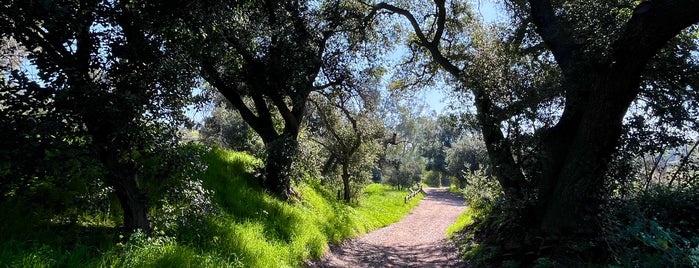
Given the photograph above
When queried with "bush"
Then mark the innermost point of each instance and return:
(481, 190)
(432, 178)
(659, 228)
(180, 196)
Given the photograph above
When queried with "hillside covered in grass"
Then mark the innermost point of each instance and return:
(228, 222)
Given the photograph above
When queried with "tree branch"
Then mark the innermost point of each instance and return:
(556, 36)
(431, 46)
(289, 117)
(329, 127)
(211, 75)
(651, 26)
(441, 19)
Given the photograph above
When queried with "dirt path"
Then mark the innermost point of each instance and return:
(416, 241)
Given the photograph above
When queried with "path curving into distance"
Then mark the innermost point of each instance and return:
(417, 240)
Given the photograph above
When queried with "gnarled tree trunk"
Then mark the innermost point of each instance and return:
(123, 178)
(578, 150)
(278, 164)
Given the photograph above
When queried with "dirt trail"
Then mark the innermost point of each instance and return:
(416, 241)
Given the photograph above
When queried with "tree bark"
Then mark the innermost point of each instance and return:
(506, 171)
(578, 150)
(346, 183)
(278, 164)
(123, 178)
(134, 203)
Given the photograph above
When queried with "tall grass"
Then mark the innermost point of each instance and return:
(248, 228)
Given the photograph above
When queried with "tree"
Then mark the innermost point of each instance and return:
(594, 81)
(401, 163)
(345, 124)
(439, 136)
(105, 74)
(466, 156)
(271, 52)
(225, 127)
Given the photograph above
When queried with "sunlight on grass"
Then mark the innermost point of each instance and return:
(465, 219)
(249, 228)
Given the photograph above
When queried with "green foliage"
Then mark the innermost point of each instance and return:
(464, 220)
(482, 191)
(657, 228)
(225, 127)
(142, 251)
(265, 231)
(440, 134)
(223, 219)
(345, 124)
(402, 163)
(467, 155)
(99, 107)
(432, 178)
(406, 175)
(266, 60)
(180, 198)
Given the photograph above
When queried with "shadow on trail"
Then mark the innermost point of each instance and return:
(442, 195)
(418, 240)
(396, 256)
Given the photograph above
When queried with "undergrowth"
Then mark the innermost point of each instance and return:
(655, 228)
(242, 226)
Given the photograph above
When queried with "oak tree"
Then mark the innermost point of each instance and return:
(100, 67)
(575, 67)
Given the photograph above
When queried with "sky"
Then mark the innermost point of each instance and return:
(437, 100)
(487, 9)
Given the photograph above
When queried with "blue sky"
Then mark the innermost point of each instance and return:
(488, 11)
(435, 99)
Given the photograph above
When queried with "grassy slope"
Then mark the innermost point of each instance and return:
(251, 230)
(465, 219)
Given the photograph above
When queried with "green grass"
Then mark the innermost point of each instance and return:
(455, 189)
(249, 229)
(465, 219)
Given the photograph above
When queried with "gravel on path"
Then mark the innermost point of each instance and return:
(416, 241)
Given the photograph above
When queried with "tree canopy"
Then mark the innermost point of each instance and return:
(566, 104)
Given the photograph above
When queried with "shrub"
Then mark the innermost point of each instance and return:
(658, 228)
(432, 178)
(481, 190)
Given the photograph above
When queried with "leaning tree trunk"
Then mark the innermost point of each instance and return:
(278, 164)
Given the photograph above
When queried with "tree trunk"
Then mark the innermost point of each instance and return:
(346, 183)
(123, 178)
(134, 203)
(280, 157)
(577, 157)
(506, 171)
